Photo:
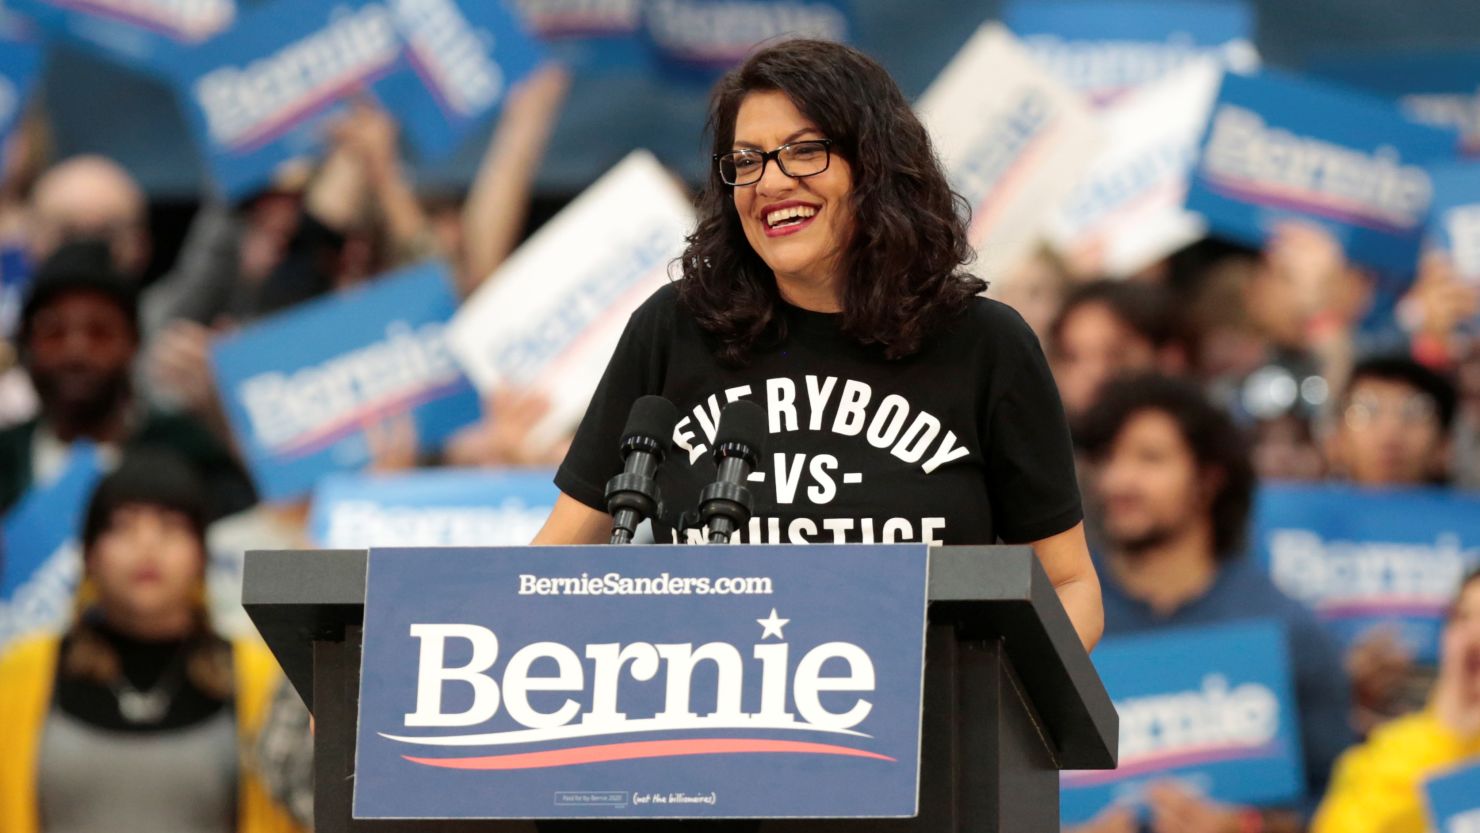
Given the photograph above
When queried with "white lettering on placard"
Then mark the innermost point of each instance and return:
(1197, 721)
(245, 104)
(366, 523)
(1367, 188)
(585, 302)
(289, 410)
(727, 31)
(557, 17)
(604, 669)
(1466, 822)
(1105, 67)
(1457, 110)
(1326, 573)
(45, 599)
(452, 56)
(998, 147)
(1462, 224)
(192, 20)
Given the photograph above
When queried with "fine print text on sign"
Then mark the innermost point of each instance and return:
(645, 682)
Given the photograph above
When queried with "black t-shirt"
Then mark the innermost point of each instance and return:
(964, 442)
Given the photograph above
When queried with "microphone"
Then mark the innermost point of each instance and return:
(725, 505)
(633, 495)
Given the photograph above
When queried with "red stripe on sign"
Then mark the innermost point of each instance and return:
(643, 749)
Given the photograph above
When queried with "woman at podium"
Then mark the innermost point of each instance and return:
(825, 282)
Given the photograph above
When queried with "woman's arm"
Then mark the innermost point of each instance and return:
(1065, 557)
(573, 522)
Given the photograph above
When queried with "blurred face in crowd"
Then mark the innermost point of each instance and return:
(1093, 346)
(1389, 434)
(147, 565)
(90, 197)
(1461, 639)
(797, 225)
(1150, 486)
(79, 354)
(1284, 449)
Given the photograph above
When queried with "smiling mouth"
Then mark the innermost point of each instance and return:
(789, 219)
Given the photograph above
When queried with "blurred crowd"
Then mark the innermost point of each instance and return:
(1187, 385)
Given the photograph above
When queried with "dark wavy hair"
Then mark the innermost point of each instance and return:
(1216, 443)
(901, 266)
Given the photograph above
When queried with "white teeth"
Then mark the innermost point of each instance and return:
(795, 212)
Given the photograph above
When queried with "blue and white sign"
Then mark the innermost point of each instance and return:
(1281, 148)
(259, 94)
(301, 387)
(1434, 87)
(1454, 800)
(642, 682)
(592, 36)
(463, 55)
(1363, 558)
(1104, 48)
(700, 39)
(432, 508)
(20, 66)
(1212, 707)
(143, 34)
(40, 559)
(1454, 224)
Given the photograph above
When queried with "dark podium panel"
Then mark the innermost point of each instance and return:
(1010, 696)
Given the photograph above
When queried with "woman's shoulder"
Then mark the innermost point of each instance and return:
(992, 326)
(661, 305)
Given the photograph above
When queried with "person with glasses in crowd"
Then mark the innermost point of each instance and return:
(1391, 429)
(825, 281)
(139, 715)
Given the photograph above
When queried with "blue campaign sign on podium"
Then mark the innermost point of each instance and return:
(301, 388)
(1454, 799)
(1281, 148)
(642, 682)
(1212, 707)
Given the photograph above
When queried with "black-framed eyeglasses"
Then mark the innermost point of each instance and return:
(798, 159)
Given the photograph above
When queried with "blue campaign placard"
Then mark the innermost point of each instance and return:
(20, 67)
(1454, 220)
(431, 508)
(1365, 558)
(146, 35)
(1103, 48)
(698, 40)
(642, 682)
(592, 37)
(259, 94)
(1212, 707)
(39, 563)
(1435, 87)
(462, 58)
(1454, 799)
(301, 387)
(1280, 148)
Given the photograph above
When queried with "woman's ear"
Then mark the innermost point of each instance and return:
(1210, 482)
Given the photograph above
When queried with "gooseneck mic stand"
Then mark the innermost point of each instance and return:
(633, 495)
(726, 504)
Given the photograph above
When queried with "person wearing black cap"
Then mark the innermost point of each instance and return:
(78, 338)
(135, 717)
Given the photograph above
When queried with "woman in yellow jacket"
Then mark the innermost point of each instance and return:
(1378, 786)
(137, 716)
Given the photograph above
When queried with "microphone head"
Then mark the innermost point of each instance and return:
(742, 425)
(650, 421)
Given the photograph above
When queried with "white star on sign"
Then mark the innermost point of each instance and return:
(772, 626)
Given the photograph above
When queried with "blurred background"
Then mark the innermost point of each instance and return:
(292, 273)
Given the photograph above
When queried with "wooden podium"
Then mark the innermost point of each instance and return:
(1010, 696)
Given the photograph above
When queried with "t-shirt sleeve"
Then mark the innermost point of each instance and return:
(635, 370)
(1029, 457)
